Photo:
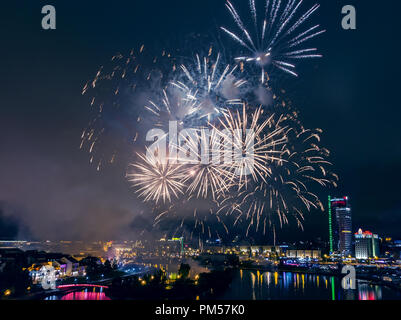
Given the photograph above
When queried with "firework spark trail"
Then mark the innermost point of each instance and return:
(115, 94)
(196, 223)
(157, 179)
(275, 41)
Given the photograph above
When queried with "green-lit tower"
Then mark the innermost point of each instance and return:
(330, 228)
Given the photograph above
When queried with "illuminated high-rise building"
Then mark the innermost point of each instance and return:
(366, 245)
(340, 226)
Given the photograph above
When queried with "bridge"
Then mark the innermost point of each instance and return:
(78, 285)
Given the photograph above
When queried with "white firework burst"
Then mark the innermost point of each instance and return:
(157, 179)
(278, 37)
(210, 84)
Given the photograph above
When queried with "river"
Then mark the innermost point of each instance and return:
(85, 294)
(254, 285)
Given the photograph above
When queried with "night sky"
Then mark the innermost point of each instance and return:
(48, 190)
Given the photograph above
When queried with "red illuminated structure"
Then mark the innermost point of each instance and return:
(341, 225)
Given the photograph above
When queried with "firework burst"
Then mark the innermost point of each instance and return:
(173, 106)
(278, 38)
(285, 190)
(211, 84)
(156, 179)
(207, 175)
(255, 142)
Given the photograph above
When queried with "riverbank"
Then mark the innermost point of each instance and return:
(374, 280)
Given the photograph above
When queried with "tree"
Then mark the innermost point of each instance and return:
(14, 278)
(232, 260)
(107, 268)
(183, 272)
(93, 266)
